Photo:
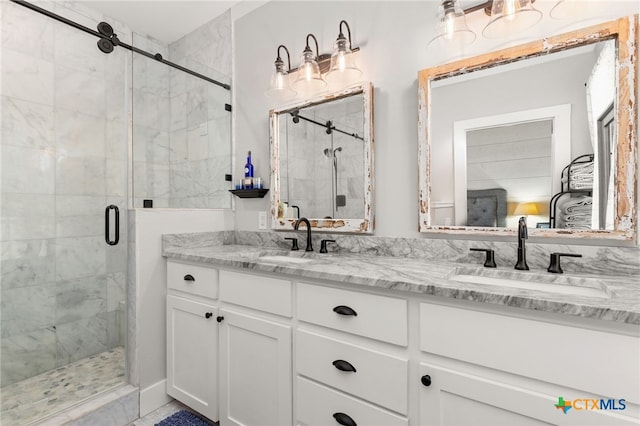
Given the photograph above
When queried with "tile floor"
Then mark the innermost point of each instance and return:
(29, 400)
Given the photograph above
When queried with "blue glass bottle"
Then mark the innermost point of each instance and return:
(248, 172)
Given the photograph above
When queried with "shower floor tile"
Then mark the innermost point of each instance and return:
(48, 393)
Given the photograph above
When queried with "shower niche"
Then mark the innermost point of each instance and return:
(322, 162)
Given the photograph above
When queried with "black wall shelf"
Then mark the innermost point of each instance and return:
(249, 193)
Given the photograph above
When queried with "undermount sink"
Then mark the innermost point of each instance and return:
(586, 287)
(284, 259)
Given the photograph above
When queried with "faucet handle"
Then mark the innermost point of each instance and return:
(323, 245)
(490, 261)
(554, 262)
(294, 245)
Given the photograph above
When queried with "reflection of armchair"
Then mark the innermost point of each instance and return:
(487, 207)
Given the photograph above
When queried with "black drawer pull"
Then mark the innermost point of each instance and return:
(344, 419)
(189, 277)
(220, 318)
(208, 315)
(343, 365)
(345, 310)
(426, 380)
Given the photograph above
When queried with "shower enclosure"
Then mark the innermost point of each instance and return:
(64, 176)
(88, 132)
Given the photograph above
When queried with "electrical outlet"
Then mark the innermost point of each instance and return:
(204, 129)
(262, 220)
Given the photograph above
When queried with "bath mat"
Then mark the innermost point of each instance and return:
(184, 418)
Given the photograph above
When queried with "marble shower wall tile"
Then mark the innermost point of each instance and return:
(28, 309)
(27, 77)
(82, 338)
(26, 263)
(26, 124)
(26, 355)
(81, 298)
(27, 32)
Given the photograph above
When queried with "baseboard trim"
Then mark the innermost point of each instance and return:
(154, 397)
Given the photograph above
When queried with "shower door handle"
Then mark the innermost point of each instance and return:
(107, 221)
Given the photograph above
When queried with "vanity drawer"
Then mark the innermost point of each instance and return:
(266, 294)
(197, 280)
(379, 378)
(378, 317)
(565, 355)
(317, 404)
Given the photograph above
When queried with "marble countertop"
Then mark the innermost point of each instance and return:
(614, 298)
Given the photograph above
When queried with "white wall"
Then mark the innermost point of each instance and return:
(151, 290)
(393, 37)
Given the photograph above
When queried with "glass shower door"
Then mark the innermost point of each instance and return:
(64, 160)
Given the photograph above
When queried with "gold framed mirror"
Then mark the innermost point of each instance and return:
(322, 162)
(483, 165)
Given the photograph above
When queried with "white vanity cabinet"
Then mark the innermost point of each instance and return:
(192, 337)
(271, 350)
(494, 369)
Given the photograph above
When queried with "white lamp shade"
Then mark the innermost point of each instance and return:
(343, 69)
(279, 86)
(453, 31)
(309, 78)
(509, 17)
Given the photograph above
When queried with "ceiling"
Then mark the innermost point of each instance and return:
(165, 20)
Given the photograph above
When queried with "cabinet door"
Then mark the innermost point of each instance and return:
(255, 371)
(192, 342)
(449, 397)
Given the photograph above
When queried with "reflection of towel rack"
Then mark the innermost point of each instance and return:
(578, 186)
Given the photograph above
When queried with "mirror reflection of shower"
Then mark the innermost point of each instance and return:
(335, 201)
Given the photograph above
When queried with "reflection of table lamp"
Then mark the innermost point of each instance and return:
(526, 209)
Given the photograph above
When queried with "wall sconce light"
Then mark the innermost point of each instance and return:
(279, 85)
(340, 68)
(508, 16)
(343, 67)
(452, 27)
(309, 77)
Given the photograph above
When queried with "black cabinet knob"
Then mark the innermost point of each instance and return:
(343, 365)
(219, 318)
(345, 310)
(344, 419)
(426, 380)
(208, 315)
(189, 277)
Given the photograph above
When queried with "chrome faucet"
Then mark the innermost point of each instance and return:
(523, 234)
(297, 225)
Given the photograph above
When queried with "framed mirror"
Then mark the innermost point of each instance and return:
(322, 162)
(545, 130)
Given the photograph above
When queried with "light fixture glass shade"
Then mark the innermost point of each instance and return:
(453, 30)
(309, 79)
(343, 68)
(279, 84)
(511, 16)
